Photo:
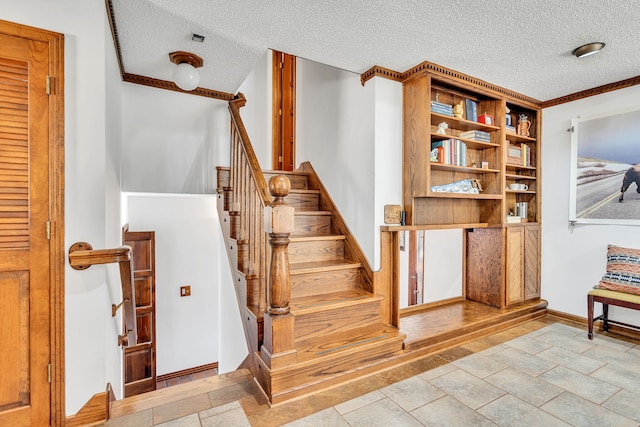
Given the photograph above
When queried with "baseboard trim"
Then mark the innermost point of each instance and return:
(613, 329)
(189, 371)
(94, 412)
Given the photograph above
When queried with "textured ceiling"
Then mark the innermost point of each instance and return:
(521, 45)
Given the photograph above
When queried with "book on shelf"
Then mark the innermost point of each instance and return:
(477, 135)
(511, 128)
(454, 152)
(510, 219)
(471, 110)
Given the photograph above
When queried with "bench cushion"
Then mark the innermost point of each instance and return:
(621, 296)
(623, 270)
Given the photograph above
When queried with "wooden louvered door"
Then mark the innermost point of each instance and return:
(25, 349)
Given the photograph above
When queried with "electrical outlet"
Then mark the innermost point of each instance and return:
(185, 291)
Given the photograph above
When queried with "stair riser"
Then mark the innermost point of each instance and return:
(298, 182)
(303, 201)
(336, 320)
(342, 367)
(312, 225)
(322, 250)
(307, 284)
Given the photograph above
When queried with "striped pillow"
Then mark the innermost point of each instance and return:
(623, 270)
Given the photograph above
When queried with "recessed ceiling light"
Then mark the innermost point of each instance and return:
(588, 49)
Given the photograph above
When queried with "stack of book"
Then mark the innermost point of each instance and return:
(476, 135)
(442, 108)
(449, 152)
(510, 128)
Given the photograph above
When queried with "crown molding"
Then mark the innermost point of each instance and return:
(592, 92)
(167, 85)
(462, 79)
(377, 71)
(149, 81)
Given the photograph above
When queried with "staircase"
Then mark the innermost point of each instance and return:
(326, 321)
(339, 330)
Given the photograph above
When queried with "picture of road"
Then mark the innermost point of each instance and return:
(597, 194)
(607, 148)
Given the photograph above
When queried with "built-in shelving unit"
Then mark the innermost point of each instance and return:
(457, 128)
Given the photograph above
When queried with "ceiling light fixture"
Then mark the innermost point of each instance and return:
(588, 49)
(185, 76)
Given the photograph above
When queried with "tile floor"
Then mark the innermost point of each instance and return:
(544, 373)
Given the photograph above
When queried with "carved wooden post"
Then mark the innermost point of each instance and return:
(281, 227)
(278, 348)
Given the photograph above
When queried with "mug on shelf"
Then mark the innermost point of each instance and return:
(518, 187)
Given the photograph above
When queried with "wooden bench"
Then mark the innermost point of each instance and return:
(608, 298)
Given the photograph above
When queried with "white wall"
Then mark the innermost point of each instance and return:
(113, 235)
(87, 299)
(187, 233)
(388, 153)
(256, 114)
(335, 131)
(573, 261)
(171, 141)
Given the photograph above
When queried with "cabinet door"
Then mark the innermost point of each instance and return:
(140, 359)
(515, 243)
(532, 262)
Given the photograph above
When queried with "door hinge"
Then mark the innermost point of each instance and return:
(49, 372)
(280, 159)
(48, 230)
(48, 85)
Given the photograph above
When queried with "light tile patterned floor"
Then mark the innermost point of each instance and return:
(553, 376)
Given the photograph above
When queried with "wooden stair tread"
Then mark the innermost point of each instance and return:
(319, 266)
(303, 191)
(301, 213)
(332, 300)
(352, 340)
(450, 321)
(276, 172)
(318, 237)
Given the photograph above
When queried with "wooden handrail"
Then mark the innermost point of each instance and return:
(82, 256)
(249, 197)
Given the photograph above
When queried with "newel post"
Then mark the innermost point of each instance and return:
(278, 321)
(281, 227)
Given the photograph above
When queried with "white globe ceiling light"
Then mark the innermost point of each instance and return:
(185, 75)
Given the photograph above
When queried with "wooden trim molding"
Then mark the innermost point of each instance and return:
(167, 85)
(189, 371)
(377, 71)
(592, 92)
(615, 329)
(386, 73)
(439, 70)
(150, 81)
(114, 33)
(95, 411)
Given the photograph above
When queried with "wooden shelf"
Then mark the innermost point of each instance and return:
(521, 191)
(512, 166)
(481, 196)
(516, 176)
(514, 137)
(471, 143)
(444, 167)
(460, 124)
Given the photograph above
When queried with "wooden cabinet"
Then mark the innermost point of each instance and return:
(522, 275)
(500, 143)
(503, 264)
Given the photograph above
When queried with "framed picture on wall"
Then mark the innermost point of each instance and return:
(605, 169)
